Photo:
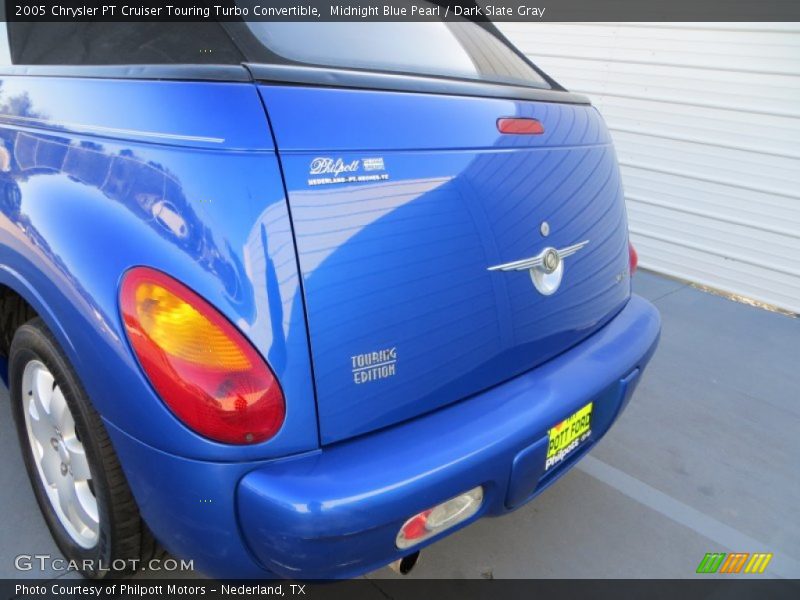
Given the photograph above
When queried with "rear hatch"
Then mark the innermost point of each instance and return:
(401, 202)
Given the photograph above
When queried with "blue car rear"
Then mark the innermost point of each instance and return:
(432, 269)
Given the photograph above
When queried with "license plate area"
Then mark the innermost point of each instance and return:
(566, 437)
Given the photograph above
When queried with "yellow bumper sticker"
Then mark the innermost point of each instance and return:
(568, 435)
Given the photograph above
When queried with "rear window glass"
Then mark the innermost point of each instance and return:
(87, 43)
(463, 50)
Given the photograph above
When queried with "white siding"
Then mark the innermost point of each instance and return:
(706, 122)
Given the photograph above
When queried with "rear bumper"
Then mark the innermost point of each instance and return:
(335, 513)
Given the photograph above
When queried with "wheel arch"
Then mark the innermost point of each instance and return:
(19, 303)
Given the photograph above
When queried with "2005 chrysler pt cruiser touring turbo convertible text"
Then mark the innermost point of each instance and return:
(302, 305)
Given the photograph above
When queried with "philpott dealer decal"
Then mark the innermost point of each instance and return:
(326, 170)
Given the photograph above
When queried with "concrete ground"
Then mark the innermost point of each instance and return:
(705, 459)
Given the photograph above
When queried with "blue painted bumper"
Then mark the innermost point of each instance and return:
(336, 512)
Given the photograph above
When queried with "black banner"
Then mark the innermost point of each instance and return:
(402, 589)
(401, 10)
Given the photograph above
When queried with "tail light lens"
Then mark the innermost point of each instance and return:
(520, 126)
(633, 258)
(206, 372)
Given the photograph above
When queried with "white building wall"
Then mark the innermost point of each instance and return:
(706, 122)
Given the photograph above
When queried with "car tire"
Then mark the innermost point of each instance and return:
(74, 471)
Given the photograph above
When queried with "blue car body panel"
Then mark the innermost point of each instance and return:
(209, 182)
(79, 211)
(401, 263)
(336, 513)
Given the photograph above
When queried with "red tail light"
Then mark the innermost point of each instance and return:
(633, 257)
(519, 126)
(206, 372)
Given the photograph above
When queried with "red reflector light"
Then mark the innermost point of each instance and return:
(414, 528)
(633, 258)
(440, 518)
(203, 369)
(519, 126)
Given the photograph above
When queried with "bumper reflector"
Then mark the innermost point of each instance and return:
(441, 517)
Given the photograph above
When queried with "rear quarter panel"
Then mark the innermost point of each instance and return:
(98, 176)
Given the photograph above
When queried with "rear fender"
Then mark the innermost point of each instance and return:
(106, 175)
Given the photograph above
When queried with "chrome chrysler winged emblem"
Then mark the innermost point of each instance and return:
(546, 268)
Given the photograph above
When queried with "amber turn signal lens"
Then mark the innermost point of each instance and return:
(200, 365)
(181, 331)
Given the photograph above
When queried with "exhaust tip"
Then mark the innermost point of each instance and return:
(405, 564)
